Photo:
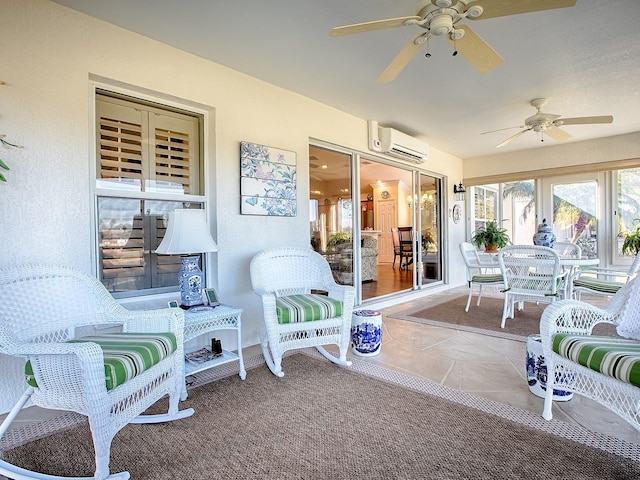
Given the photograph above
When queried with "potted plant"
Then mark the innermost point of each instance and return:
(336, 239)
(491, 236)
(631, 244)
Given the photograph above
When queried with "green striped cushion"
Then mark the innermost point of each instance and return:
(487, 278)
(125, 354)
(597, 285)
(306, 308)
(615, 357)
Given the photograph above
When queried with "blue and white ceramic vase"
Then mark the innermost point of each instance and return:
(537, 371)
(366, 332)
(545, 236)
(190, 279)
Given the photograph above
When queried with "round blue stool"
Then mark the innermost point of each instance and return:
(366, 332)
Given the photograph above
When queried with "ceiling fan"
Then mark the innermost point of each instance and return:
(549, 123)
(440, 18)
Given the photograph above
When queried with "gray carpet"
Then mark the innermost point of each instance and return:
(323, 421)
(484, 319)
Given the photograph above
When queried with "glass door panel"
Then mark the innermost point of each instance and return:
(331, 210)
(519, 210)
(429, 222)
(573, 204)
(627, 209)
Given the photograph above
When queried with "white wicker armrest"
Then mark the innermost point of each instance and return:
(340, 292)
(571, 316)
(62, 363)
(600, 272)
(152, 321)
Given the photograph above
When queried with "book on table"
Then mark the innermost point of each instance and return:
(200, 356)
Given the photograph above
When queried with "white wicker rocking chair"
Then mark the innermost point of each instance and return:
(577, 319)
(70, 373)
(285, 279)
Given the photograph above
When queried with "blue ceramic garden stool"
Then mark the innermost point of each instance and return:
(366, 332)
(537, 371)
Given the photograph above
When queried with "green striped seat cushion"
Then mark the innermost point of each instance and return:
(487, 278)
(125, 354)
(597, 285)
(615, 357)
(306, 308)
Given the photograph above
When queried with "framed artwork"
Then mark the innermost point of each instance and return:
(211, 296)
(267, 180)
(173, 304)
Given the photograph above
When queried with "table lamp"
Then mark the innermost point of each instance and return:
(187, 233)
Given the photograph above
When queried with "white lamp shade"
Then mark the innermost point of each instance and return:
(187, 233)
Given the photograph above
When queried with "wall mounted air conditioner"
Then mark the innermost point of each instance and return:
(400, 145)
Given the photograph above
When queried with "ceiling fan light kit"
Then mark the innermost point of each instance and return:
(441, 18)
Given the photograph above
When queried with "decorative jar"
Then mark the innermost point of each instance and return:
(545, 236)
(537, 371)
(366, 332)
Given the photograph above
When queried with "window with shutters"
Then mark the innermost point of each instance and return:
(148, 163)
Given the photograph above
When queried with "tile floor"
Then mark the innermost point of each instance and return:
(490, 367)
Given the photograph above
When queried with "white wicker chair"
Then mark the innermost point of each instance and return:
(42, 308)
(478, 273)
(568, 249)
(579, 318)
(601, 281)
(531, 274)
(280, 274)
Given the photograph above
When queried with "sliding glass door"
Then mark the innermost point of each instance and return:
(356, 203)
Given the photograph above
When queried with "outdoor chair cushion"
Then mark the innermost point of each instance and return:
(487, 278)
(597, 285)
(125, 354)
(615, 357)
(306, 308)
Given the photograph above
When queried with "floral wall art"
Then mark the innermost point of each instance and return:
(267, 180)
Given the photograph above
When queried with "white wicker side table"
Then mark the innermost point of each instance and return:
(205, 320)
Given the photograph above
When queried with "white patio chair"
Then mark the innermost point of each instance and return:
(43, 310)
(531, 273)
(568, 249)
(601, 281)
(295, 314)
(605, 382)
(478, 273)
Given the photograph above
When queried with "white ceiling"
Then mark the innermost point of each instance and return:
(586, 59)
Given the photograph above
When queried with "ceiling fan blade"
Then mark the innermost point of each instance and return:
(557, 134)
(502, 129)
(374, 25)
(502, 8)
(586, 120)
(477, 52)
(403, 58)
(512, 138)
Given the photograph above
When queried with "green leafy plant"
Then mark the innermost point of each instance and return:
(491, 235)
(3, 165)
(631, 244)
(338, 238)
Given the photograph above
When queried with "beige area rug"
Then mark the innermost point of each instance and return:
(484, 319)
(323, 421)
